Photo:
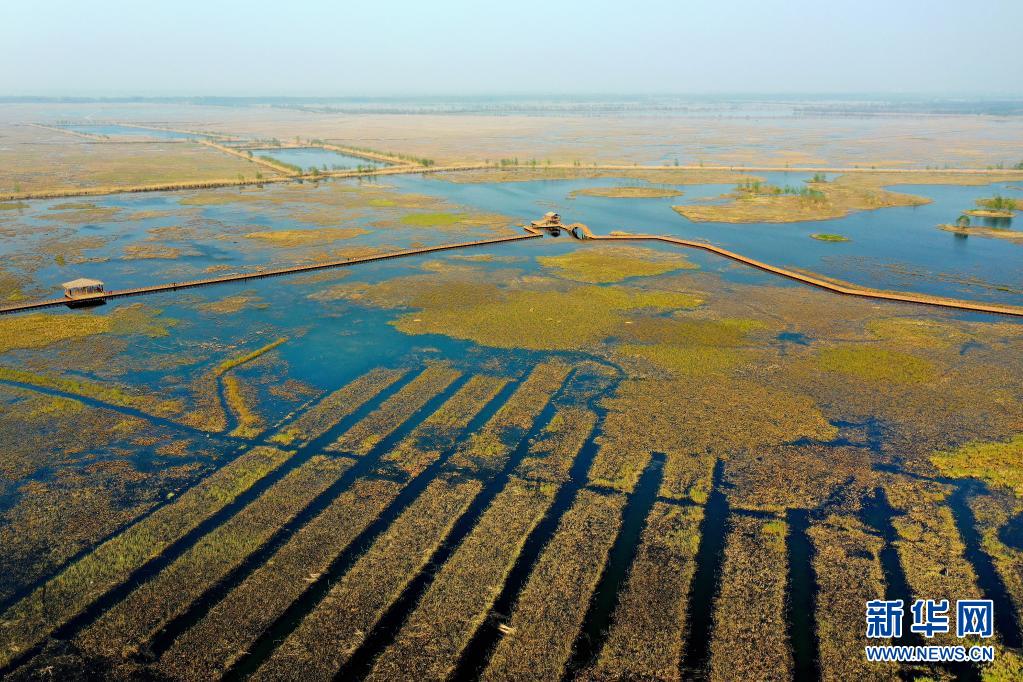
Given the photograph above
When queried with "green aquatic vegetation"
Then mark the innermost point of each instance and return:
(291, 238)
(1008, 665)
(156, 252)
(724, 417)
(431, 219)
(555, 320)
(647, 629)
(343, 402)
(999, 463)
(750, 644)
(599, 265)
(230, 305)
(37, 330)
(826, 237)
(327, 636)
(239, 397)
(62, 597)
(411, 397)
(876, 364)
(464, 590)
(231, 363)
(79, 216)
(992, 513)
(848, 571)
(129, 625)
(684, 360)
(101, 392)
(924, 333)
(13, 205)
(550, 610)
(684, 330)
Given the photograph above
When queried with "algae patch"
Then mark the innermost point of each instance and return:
(876, 364)
(999, 463)
(602, 265)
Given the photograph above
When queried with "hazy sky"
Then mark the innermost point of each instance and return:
(307, 47)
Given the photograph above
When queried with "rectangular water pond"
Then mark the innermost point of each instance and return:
(308, 158)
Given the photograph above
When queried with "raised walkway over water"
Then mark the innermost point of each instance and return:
(580, 232)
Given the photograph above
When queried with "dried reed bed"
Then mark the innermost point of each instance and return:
(846, 562)
(551, 608)
(411, 397)
(488, 448)
(53, 604)
(551, 455)
(930, 548)
(330, 633)
(127, 627)
(458, 601)
(240, 397)
(646, 636)
(222, 637)
(342, 403)
(437, 432)
(750, 639)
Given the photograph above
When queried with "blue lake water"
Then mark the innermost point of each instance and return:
(317, 157)
(892, 248)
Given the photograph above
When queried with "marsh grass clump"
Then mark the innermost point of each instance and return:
(62, 597)
(114, 395)
(752, 643)
(460, 597)
(876, 364)
(999, 463)
(682, 360)
(318, 419)
(604, 265)
(646, 636)
(919, 332)
(338, 625)
(550, 610)
(827, 237)
(431, 219)
(376, 426)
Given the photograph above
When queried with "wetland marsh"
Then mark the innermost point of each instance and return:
(544, 459)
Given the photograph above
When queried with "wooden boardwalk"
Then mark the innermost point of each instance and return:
(580, 231)
(260, 274)
(817, 281)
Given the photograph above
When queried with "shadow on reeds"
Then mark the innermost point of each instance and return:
(263, 647)
(802, 602)
(597, 621)
(706, 580)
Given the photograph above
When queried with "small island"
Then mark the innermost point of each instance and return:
(628, 192)
(825, 237)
